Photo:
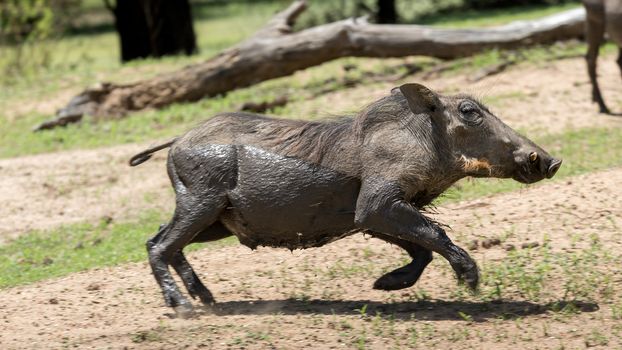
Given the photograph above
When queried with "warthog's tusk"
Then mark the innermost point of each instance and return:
(533, 156)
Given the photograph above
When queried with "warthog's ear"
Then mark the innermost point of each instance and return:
(420, 98)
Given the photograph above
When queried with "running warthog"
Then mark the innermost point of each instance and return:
(601, 16)
(299, 184)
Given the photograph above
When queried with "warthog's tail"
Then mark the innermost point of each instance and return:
(146, 154)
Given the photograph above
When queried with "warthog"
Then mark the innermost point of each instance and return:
(298, 184)
(602, 16)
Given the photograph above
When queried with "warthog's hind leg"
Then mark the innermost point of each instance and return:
(193, 284)
(405, 276)
(192, 216)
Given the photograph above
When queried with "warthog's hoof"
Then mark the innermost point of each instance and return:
(604, 110)
(184, 311)
(401, 278)
(395, 280)
(208, 301)
(204, 295)
(470, 276)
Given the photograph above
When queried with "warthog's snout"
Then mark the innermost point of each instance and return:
(554, 165)
(535, 166)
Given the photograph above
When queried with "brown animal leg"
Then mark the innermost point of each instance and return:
(405, 276)
(193, 284)
(595, 31)
(619, 60)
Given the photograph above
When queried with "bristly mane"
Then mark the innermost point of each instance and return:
(312, 140)
(390, 108)
(307, 140)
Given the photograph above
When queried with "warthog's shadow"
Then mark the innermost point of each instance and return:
(405, 310)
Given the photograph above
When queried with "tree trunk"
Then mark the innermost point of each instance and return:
(387, 13)
(275, 52)
(154, 28)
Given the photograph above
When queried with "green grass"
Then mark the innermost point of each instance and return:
(46, 254)
(547, 274)
(564, 285)
(533, 273)
(39, 255)
(84, 58)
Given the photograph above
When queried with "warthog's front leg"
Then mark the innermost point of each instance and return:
(405, 276)
(381, 208)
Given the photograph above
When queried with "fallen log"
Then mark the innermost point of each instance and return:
(62, 120)
(277, 51)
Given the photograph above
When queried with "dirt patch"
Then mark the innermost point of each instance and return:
(322, 298)
(48, 190)
(571, 214)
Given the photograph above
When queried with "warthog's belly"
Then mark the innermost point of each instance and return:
(285, 202)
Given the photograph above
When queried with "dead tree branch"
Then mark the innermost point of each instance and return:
(276, 51)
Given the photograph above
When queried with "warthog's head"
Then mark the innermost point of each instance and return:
(480, 142)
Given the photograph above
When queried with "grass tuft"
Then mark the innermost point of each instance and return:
(46, 254)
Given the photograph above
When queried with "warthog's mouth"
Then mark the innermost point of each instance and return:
(553, 167)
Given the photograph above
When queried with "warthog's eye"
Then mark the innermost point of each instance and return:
(470, 113)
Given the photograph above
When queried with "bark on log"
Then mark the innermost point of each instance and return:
(276, 51)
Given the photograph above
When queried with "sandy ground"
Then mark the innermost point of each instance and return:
(48, 190)
(309, 299)
(274, 298)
